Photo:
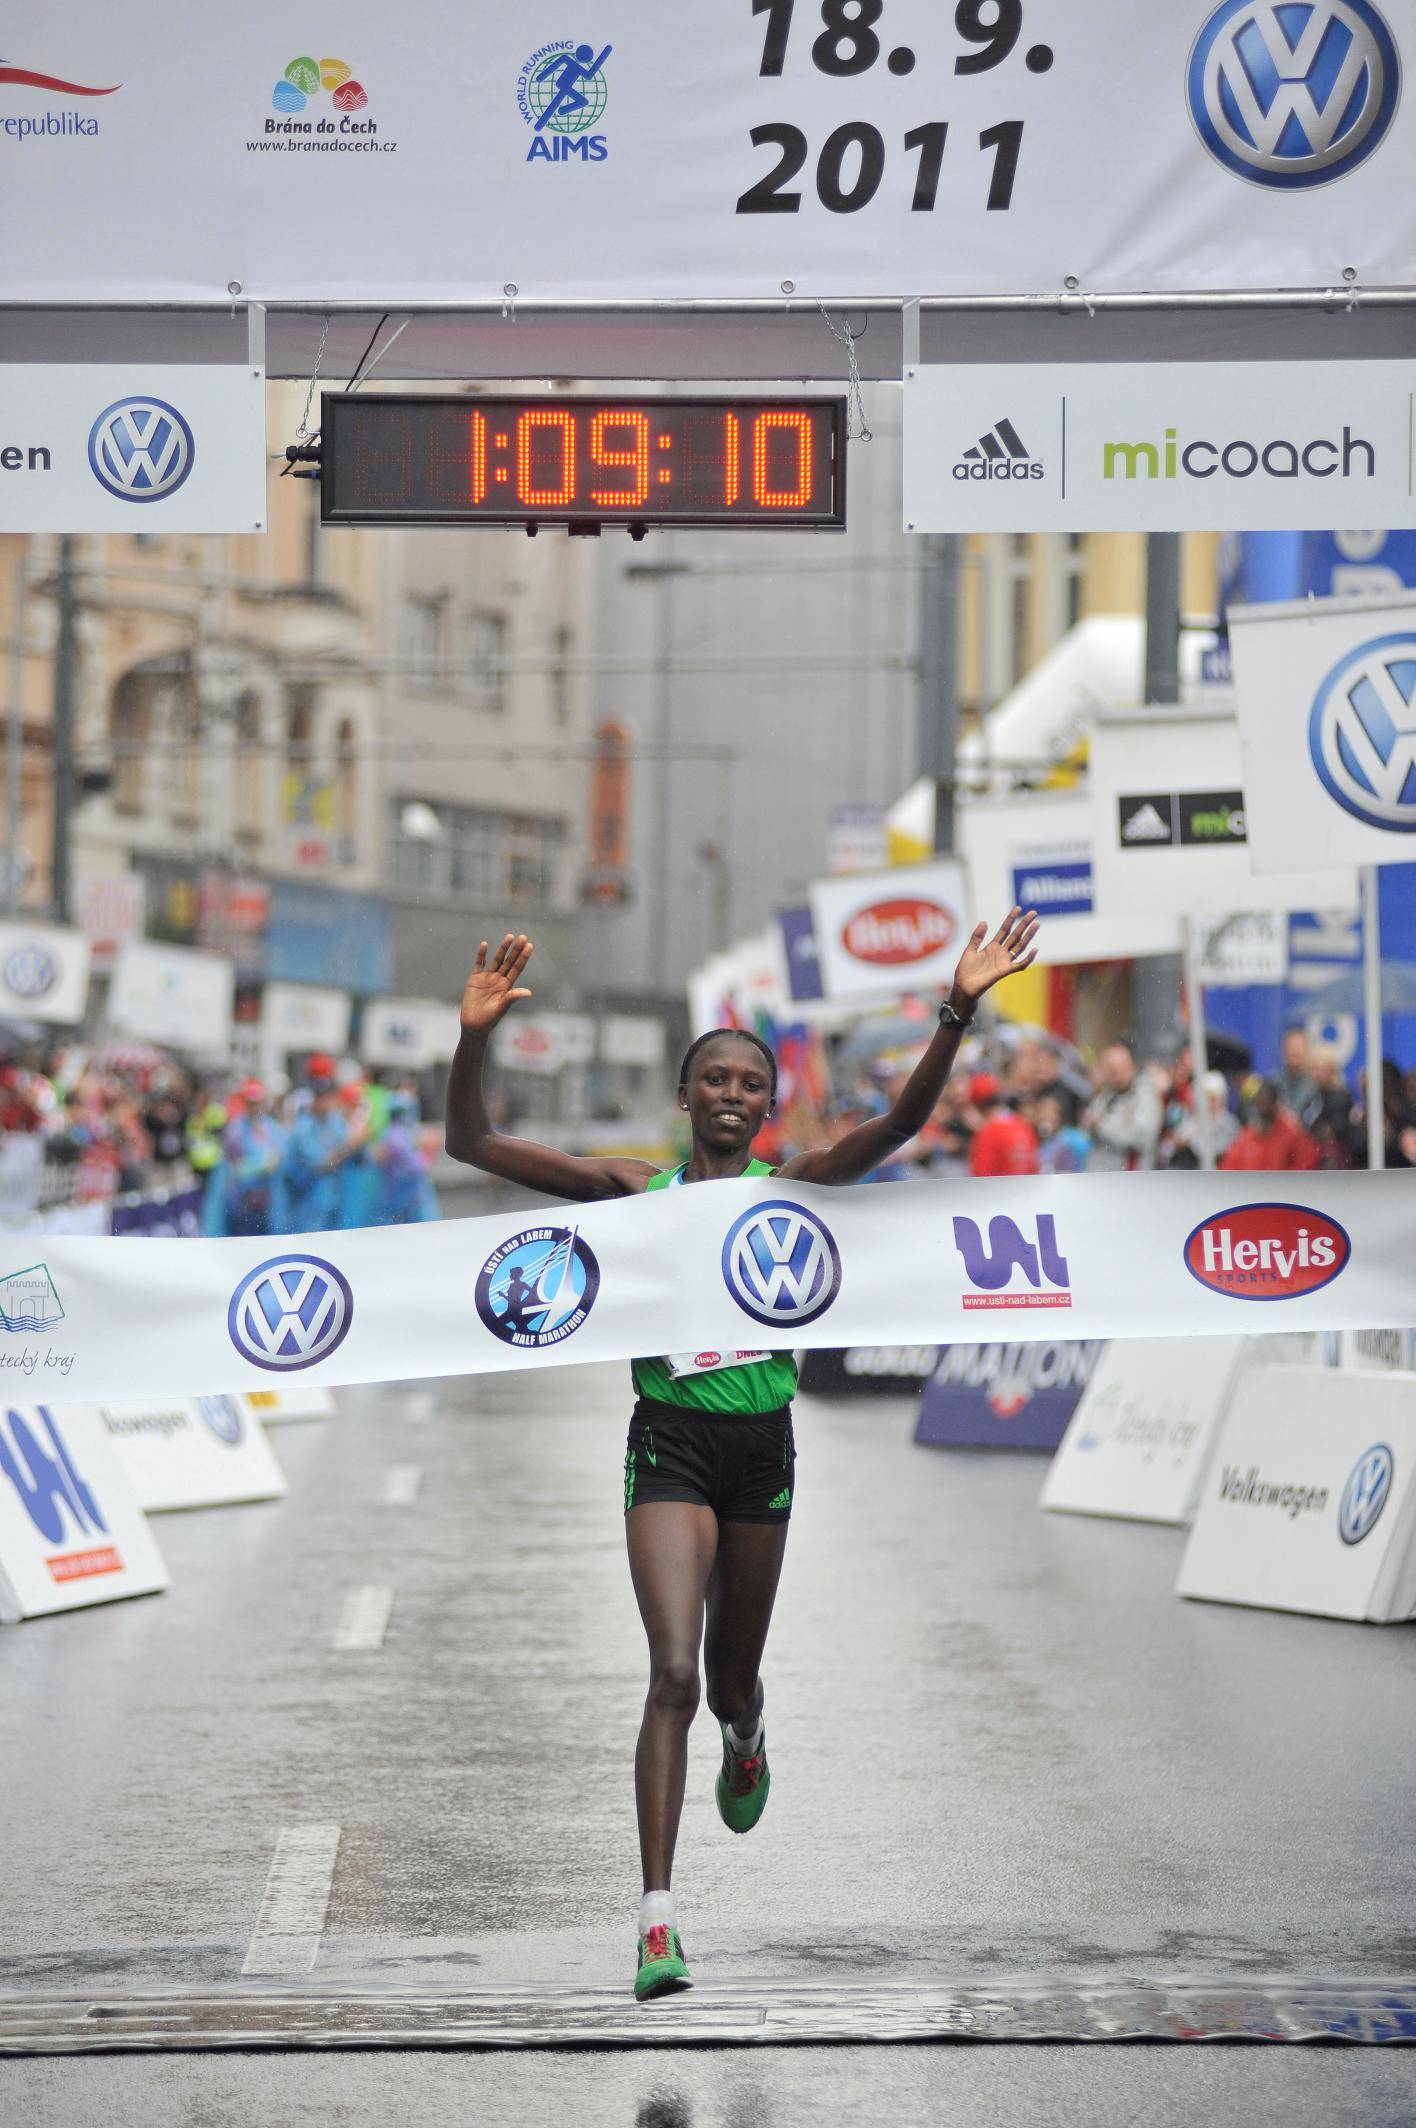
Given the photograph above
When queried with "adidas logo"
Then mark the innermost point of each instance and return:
(1146, 824)
(783, 1499)
(999, 454)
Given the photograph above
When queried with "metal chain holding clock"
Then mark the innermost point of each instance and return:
(302, 433)
(855, 410)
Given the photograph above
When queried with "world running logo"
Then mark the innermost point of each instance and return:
(781, 1265)
(1362, 733)
(141, 449)
(290, 1312)
(1365, 1494)
(1292, 97)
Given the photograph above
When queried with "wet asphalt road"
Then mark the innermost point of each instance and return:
(999, 1745)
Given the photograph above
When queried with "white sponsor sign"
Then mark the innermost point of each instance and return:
(414, 1032)
(1171, 820)
(1378, 1351)
(857, 839)
(173, 994)
(1156, 446)
(191, 1452)
(1326, 693)
(880, 154)
(1038, 851)
(298, 1399)
(543, 1042)
(1138, 1442)
(71, 1532)
(626, 1038)
(1242, 949)
(44, 972)
(768, 1263)
(1310, 1499)
(130, 447)
(881, 933)
(302, 1016)
(109, 908)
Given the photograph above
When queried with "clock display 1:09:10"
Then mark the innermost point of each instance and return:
(766, 457)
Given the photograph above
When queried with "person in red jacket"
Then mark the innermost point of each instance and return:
(1272, 1137)
(1005, 1143)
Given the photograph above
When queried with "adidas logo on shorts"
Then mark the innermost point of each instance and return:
(783, 1499)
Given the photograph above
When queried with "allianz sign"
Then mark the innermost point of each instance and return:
(1201, 459)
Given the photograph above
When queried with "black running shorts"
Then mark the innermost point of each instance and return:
(741, 1464)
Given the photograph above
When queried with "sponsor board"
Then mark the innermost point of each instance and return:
(1309, 1502)
(415, 1032)
(71, 1531)
(869, 1370)
(173, 994)
(44, 972)
(192, 1452)
(1267, 1252)
(294, 1399)
(1038, 850)
(1139, 1441)
(882, 933)
(1377, 1351)
(1003, 1395)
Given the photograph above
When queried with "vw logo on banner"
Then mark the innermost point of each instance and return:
(141, 449)
(31, 971)
(223, 1415)
(781, 1265)
(1365, 1494)
(290, 1312)
(1362, 733)
(1293, 96)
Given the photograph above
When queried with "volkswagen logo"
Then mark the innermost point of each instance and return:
(223, 1415)
(290, 1312)
(1292, 97)
(31, 971)
(781, 1265)
(141, 449)
(1365, 1494)
(1362, 733)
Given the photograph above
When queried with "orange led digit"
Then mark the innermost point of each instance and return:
(479, 458)
(614, 417)
(732, 458)
(545, 417)
(780, 421)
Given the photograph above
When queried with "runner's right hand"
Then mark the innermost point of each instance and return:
(491, 987)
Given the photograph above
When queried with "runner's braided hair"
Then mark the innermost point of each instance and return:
(738, 1034)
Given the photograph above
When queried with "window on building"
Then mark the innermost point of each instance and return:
(248, 796)
(476, 855)
(425, 638)
(130, 728)
(483, 649)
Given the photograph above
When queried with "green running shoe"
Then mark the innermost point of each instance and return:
(661, 1964)
(742, 1785)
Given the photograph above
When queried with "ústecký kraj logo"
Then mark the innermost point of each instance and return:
(999, 454)
(222, 1415)
(141, 449)
(1362, 733)
(1267, 1251)
(1366, 1493)
(991, 1270)
(316, 103)
(30, 971)
(29, 1300)
(1293, 93)
(537, 1288)
(561, 93)
(290, 1312)
(48, 125)
(781, 1264)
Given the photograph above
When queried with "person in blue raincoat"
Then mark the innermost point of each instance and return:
(244, 1195)
(312, 1168)
(405, 1190)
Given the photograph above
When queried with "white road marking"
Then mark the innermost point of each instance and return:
(286, 1939)
(402, 1484)
(364, 1619)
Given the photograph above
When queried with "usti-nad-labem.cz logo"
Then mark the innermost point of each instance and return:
(561, 93)
(303, 121)
(30, 124)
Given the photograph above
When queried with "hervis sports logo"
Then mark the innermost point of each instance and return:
(892, 934)
(561, 94)
(537, 1288)
(1267, 1251)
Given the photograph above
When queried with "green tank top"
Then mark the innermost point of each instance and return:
(758, 1385)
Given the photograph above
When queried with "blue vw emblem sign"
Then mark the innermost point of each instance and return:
(781, 1265)
(141, 449)
(1292, 96)
(1362, 733)
(31, 971)
(1365, 1494)
(290, 1312)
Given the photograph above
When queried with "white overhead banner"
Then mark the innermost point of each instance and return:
(1138, 1443)
(1157, 446)
(127, 447)
(1326, 692)
(654, 152)
(202, 1451)
(1037, 851)
(173, 994)
(769, 1264)
(879, 934)
(44, 973)
(1171, 820)
(1310, 1500)
(71, 1532)
(414, 1032)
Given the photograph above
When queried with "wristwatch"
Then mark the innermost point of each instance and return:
(948, 1017)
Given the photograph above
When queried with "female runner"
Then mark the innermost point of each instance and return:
(709, 1464)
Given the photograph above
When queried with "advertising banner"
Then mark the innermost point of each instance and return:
(414, 1032)
(71, 1532)
(128, 447)
(1156, 446)
(1326, 692)
(158, 1212)
(1038, 851)
(1171, 820)
(788, 1265)
(1140, 1439)
(873, 1370)
(173, 994)
(44, 972)
(110, 908)
(1004, 1396)
(297, 1400)
(193, 1452)
(1310, 1499)
(830, 149)
(543, 1042)
(879, 934)
(1378, 1351)
(633, 1039)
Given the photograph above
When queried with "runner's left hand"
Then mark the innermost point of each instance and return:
(985, 961)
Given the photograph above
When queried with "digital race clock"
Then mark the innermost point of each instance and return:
(401, 459)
